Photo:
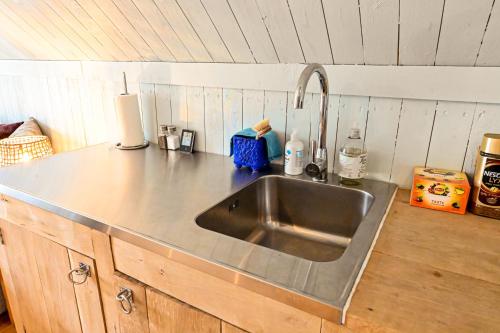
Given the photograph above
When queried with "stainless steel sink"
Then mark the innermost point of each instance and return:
(310, 220)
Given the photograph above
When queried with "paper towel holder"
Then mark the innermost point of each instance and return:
(119, 145)
(144, 145)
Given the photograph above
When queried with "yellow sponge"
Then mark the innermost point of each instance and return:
(261, 125)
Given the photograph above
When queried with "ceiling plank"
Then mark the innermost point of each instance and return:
(229, 30)
(250, 21)
(21, 40)
(10, 51)
(99, 19)
(310, 22)
(202, 24)
(462, 30)
(137, 21)
(174, 15)
(344, 30)
(75, 23)
(38, 41)
(379, 21)
(31, 15)
(163, 29)
(61, 28)
(279, 22)
(127, 30)
(489, 54)
(420, 22)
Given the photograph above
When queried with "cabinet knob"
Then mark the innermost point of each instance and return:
(79, 275)
(126, 300)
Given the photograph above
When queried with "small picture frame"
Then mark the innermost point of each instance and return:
(187, 141)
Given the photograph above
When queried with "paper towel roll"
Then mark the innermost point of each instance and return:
(130, 131)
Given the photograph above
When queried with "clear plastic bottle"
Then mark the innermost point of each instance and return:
(352, 159)
(294, 155)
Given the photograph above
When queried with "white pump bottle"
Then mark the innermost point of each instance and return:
(294, 155)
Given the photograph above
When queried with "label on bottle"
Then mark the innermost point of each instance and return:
(489, 193)
(294, 161)
(352, 167)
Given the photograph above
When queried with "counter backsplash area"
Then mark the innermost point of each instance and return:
(76, 109)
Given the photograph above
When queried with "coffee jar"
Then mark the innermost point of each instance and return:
(485, 199)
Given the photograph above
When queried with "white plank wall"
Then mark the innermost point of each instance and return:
(343, 22)
(74, 104)
(275, 106)
(309, 21)
(489, 53)
(462, 31)
(381, 133)
(383, 32)
(202, 24)
(214, 121)
(228, 28)
(452, 125)
(247, 14)
(419, 24)
(232, 107)
(279, 22)
(379, 23)
(412, 141)
(171, 11)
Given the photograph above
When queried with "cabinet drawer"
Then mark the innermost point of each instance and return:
(169, 315)
(227, 301)
(46, 224)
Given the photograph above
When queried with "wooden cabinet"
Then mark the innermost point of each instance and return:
(60, 276)
(45, 298)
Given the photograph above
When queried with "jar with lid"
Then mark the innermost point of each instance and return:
(485, 199)
(173, 140)
(162, 137)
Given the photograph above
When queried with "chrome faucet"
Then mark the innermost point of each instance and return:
(318, 167)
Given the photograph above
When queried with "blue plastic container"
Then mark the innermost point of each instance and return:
(250, 153)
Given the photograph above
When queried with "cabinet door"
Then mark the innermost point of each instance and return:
(47, 297)
(131, 302)
(169, 315)
(59, 295)
(87, 294)
(28, 290)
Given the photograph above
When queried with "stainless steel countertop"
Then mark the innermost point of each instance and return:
(157, 196)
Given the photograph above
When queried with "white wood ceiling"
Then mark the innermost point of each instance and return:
(372, 32)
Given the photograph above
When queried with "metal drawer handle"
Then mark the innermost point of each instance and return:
(82, 270)
(126, 300)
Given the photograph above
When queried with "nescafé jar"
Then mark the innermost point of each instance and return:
(485, 199)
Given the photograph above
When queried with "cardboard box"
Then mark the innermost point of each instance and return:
(440, 189)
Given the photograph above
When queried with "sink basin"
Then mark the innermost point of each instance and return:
(310, 220)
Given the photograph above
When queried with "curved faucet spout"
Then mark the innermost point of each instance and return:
(320, 155)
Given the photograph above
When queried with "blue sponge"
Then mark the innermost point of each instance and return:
(249, 152)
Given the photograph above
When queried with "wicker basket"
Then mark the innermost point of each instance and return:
(24, 148)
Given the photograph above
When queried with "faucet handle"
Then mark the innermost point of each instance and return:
(312, 149)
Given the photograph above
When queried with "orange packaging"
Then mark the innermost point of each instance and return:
(440, 189)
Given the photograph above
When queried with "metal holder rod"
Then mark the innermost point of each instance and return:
(125, 88)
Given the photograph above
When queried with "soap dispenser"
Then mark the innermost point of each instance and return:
(294, 155)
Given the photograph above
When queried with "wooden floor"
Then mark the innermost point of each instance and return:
(5, 324)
